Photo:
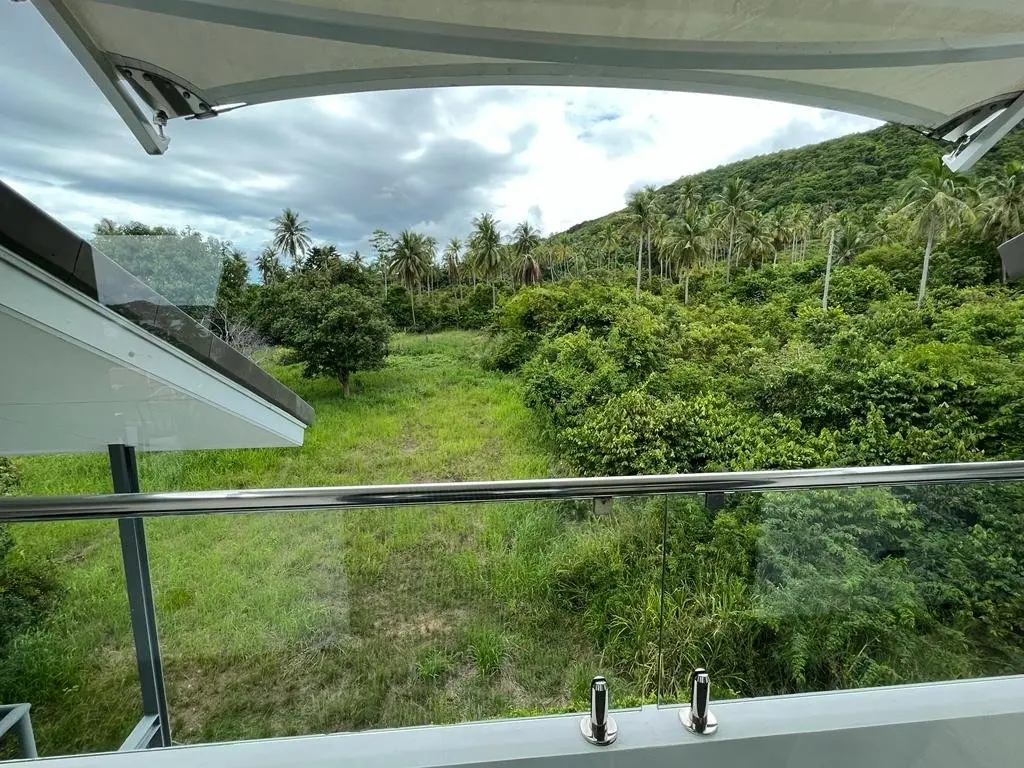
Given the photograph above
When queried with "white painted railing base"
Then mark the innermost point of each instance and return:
(940, 725)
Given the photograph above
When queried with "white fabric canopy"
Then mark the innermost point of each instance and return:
(954, 69)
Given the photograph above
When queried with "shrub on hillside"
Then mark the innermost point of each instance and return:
(901, 264)
(854, 289)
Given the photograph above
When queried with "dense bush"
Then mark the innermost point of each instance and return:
(788, 592)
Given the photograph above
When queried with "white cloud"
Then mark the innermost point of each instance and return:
(592, 146)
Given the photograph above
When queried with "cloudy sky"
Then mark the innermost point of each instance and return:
(422, 159)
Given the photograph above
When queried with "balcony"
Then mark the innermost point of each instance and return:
(826, 541)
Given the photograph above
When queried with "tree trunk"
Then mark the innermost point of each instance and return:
(385, 273)
(650, 274)
(494, 296)
(686, 288)
(412, 305)
(639, 264)
(828, 269)
(728, 255)
(924, 267)
(344, 378)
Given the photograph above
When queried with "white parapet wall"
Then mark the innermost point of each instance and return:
(75, 376)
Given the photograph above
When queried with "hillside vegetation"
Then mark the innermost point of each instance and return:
(839, 305)
(860, 171)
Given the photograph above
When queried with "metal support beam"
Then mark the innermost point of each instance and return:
(102, 71)
(967, 153)
(125, 473)
(17, 716)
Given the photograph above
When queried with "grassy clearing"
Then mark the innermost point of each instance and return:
(308, 622)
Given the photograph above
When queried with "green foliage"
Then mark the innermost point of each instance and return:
(28, 588)
(182, 266)
(336, 333)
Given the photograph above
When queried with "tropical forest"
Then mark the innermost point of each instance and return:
(836, 305)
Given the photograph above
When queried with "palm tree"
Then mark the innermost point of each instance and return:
(525, 239)
(291, 236)
(714, 226)
(756, 239)
(685, 245)
(778, 230)
(608, 242)
(408, 262)
(487, 253)
(559, 254)
(321, 258)
(831, 224)
(356, 258)
(800, 224)
(452, 254)
(428, 252)
(736, 203)
(1002, 205)
(689, 197)
(640, 210)
(268, 265)
(846, 240)
(933, 199)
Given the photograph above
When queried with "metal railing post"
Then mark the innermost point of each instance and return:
(132, 530)
(16, 716)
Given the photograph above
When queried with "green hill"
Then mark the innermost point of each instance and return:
(861, 171)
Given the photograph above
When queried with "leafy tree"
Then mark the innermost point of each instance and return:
(384, 246)
(234, 279)
(181, 266)
(337, 333)
(291, 236)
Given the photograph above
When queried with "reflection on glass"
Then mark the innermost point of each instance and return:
(312, 622)
(824, 590)
(182, 267)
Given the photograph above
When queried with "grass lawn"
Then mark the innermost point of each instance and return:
(298, 622)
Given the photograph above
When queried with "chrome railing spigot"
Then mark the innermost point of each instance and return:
(598, 727)
(698, 717)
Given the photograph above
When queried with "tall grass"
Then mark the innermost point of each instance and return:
(307, 622)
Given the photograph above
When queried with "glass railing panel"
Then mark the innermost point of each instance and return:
(328, 621)
(68, 649)
(807, 591)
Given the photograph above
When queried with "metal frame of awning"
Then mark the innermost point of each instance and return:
(531, 57)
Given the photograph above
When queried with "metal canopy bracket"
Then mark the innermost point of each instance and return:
(97, 64)
(972, 146)
(166, 95)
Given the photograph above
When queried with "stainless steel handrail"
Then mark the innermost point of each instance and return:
(40, 508)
